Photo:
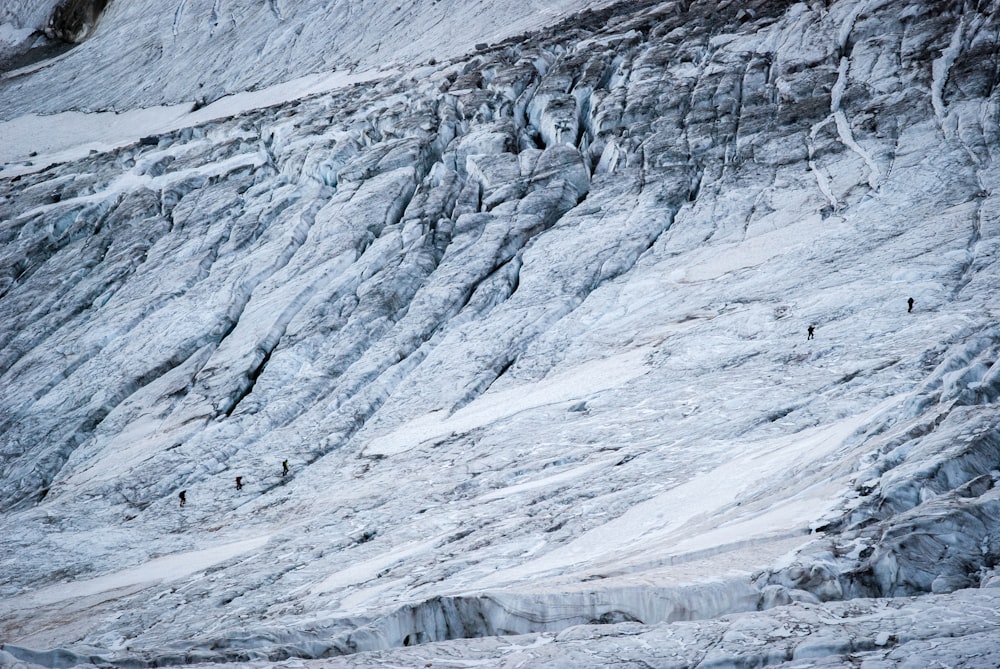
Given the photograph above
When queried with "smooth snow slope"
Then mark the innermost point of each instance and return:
(530, 328)
(152, 52)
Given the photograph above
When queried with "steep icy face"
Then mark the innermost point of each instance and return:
(957, 630)
(194, 51)
(922, 519)
(529, 327)
(21, 22)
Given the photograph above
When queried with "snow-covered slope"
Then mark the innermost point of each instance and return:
(529, 328)
(150, 52)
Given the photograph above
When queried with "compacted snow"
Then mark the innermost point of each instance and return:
(150, 52)
(529, 328)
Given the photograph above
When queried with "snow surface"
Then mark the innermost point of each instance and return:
(20, 20)
(148, 53)
(30, 143)
(529, 326)
(167, 568)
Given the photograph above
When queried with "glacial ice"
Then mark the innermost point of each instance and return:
(529, 326)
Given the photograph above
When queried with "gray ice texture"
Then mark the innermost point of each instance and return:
(526, 314)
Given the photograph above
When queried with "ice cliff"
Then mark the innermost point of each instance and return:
(529, 326)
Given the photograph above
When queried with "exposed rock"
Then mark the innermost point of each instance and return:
(73, 21)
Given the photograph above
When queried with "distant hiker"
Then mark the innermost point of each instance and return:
(910, 303)
(284, 467)
(239, 483)
(182, 496)
(811, 330)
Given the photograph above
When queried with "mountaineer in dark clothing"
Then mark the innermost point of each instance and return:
(284, 467)
(810, 331)
(909, 302)
(182, 496)
(239, 483)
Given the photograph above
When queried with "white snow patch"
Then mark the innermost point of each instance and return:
(72, 135)
(703, 513)
(578, 383)
(12, 35)
(713, 263)
(157, 570)
(939, 73)
(368, 570)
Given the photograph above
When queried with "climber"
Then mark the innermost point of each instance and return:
(284, 467)
(910, 303)
(810, 331)
(182, 496)
(239, 483)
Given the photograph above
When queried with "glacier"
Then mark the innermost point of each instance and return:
(522, 300)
